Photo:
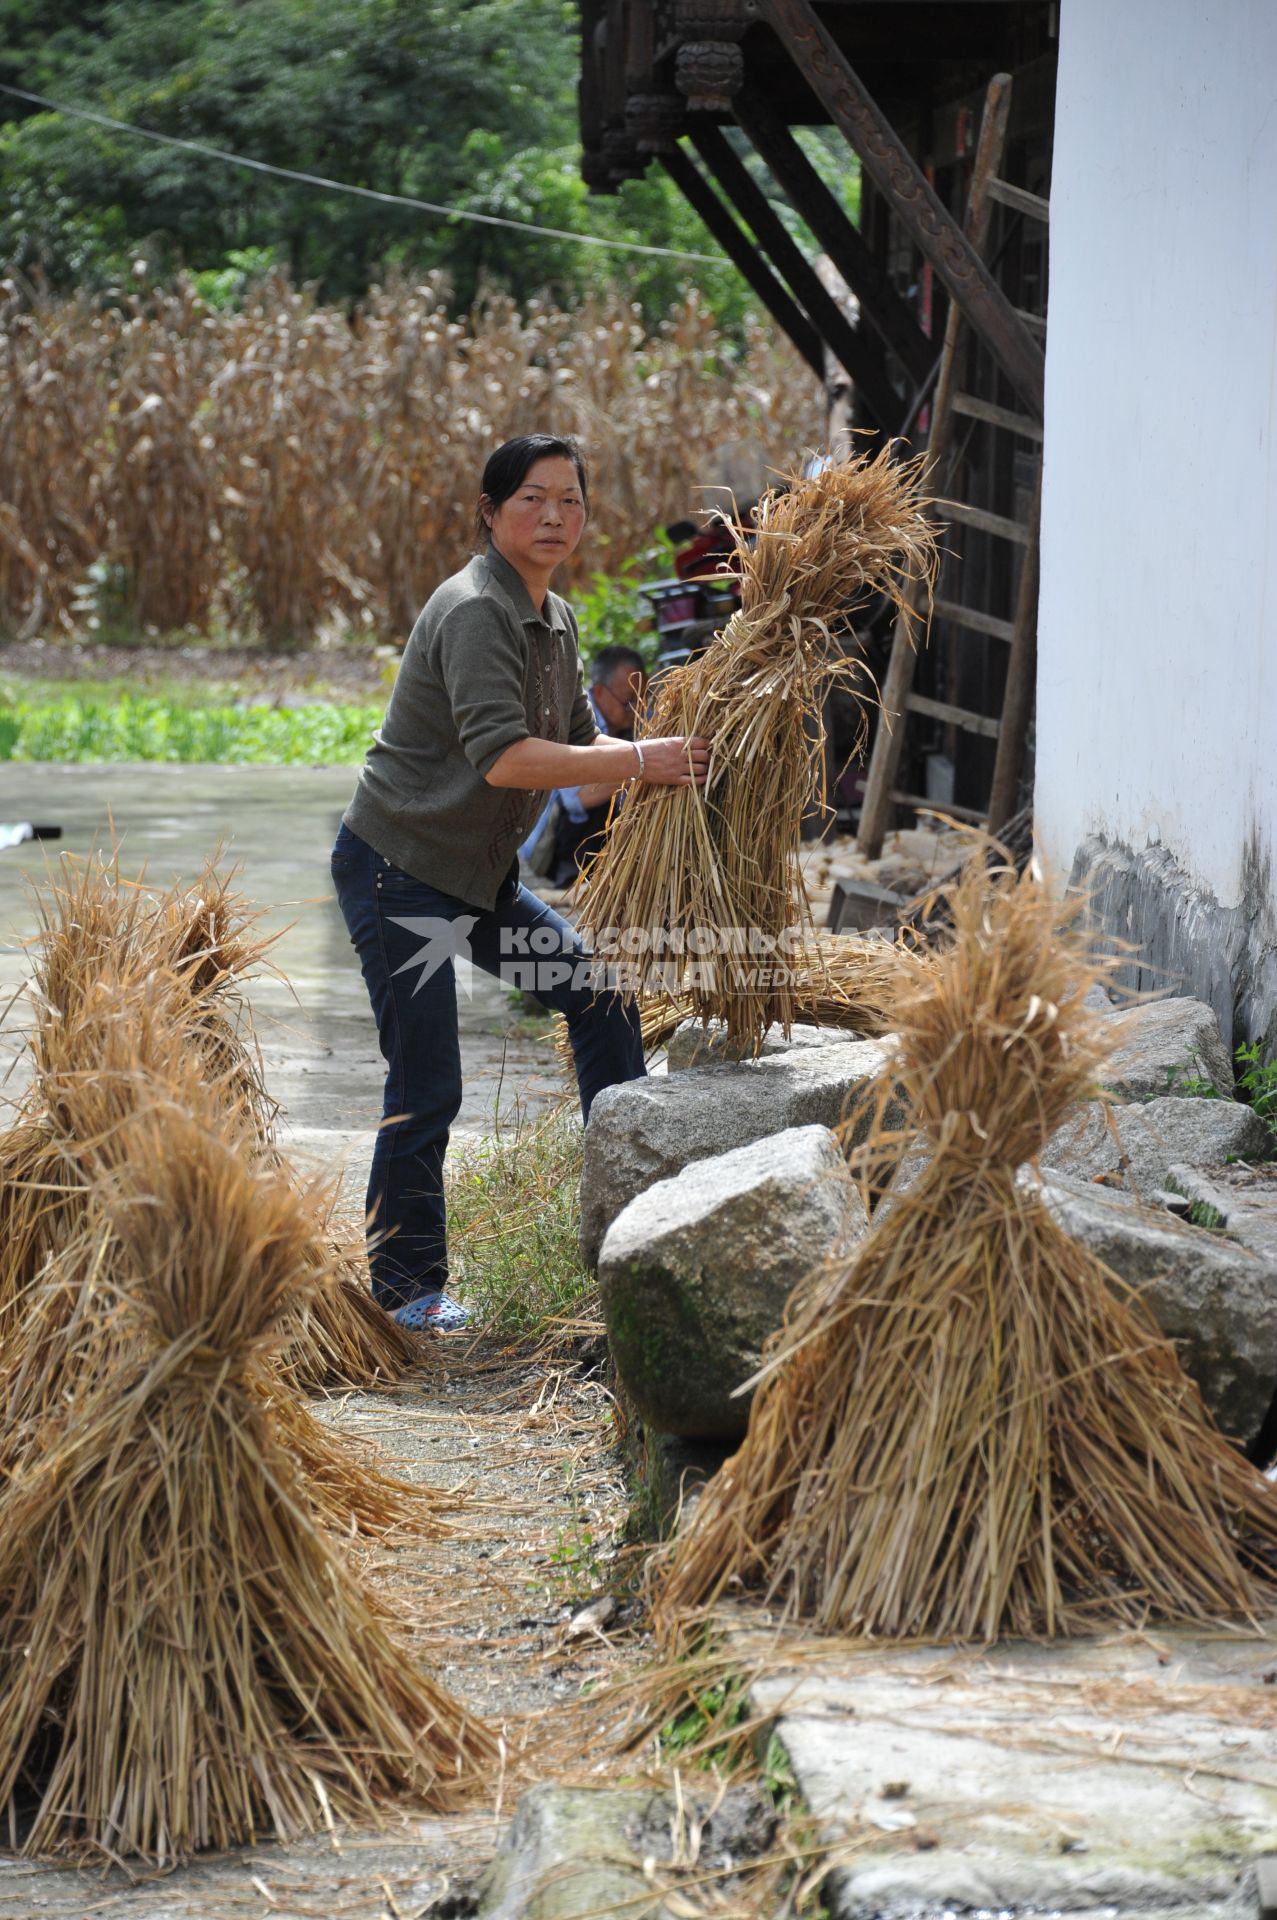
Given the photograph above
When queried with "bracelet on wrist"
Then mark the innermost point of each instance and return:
(642, 770)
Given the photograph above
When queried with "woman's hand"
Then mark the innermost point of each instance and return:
(676, 762)
(610, 763)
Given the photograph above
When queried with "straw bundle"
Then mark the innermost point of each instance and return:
(186, 1658)
(972, 1428)
(125, 1049)
(96, 928)
(677, 859)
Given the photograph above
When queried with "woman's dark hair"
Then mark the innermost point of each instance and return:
(508, 468)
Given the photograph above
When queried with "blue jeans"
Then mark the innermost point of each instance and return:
(406, 934)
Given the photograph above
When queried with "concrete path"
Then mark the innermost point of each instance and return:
(278, 823)
(1120, 1776)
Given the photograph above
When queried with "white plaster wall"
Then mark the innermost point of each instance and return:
(1157, 681)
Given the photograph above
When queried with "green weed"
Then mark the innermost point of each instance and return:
(1184, 1084)
(577, 1565)
(1202, 1214)
(1257, 1082)
(513, 1224)
(701, 1728)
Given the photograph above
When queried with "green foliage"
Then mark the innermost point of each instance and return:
(1202, 1214)
(222, 287)
(514, 1225)
(1257, 1082)
(383, 94)
(706, 1723)
(146, 727)
(464, 103)
(577, 1564)
(609, 610)
(1185, 1084)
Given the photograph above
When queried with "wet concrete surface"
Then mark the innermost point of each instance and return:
(277, 824)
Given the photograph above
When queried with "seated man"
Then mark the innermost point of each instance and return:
(571, 825)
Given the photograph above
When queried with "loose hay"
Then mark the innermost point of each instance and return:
(678, 859)
(972, 1428)
(841, 982)
(186, 1658)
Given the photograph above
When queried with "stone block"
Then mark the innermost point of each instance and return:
(857, 906)
(1214, 1298)
(1163, 1039)
(695, 1273)
(579, 1853)
(693, 1045)
(1008, 1780)
(1138, 1144)
(649, 1130)
(1244, 1197)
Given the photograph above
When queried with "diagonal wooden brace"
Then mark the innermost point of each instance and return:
(898, 177)
(745, 257)
(844, 341)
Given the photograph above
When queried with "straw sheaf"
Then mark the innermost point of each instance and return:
(134, 1069)
(971, 1427)
(727, 856)
(187, 1659)
(101, 933)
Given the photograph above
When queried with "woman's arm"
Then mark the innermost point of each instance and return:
(539, 765)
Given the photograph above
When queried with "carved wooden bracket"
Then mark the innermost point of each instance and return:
(622, 156)
(709, 68)
(655, 120)
(710, 73)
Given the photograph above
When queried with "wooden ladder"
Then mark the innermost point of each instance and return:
(949, 408)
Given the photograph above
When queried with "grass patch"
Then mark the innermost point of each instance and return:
(82, 727)
(514, 1217)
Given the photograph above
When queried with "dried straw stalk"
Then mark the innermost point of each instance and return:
(972, 1428)
(187, 1659)
(97, 928)
(677, 859)
(132, 994)
(840, 981)
(125, 1049)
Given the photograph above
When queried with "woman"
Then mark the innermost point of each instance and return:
(488, 713)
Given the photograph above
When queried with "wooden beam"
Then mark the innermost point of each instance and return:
(748, 199)
(886, 311)
(746, 258)
(1017, 700)
(888, 747)
(899, 178)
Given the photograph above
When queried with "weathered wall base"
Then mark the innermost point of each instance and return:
(1186, 940)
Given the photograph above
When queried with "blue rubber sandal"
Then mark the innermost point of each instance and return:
(432, 1313)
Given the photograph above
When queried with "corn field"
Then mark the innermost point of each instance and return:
(271, 471)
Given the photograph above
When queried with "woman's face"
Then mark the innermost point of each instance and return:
(542, 522)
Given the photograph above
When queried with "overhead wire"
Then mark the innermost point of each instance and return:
(325, 183)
